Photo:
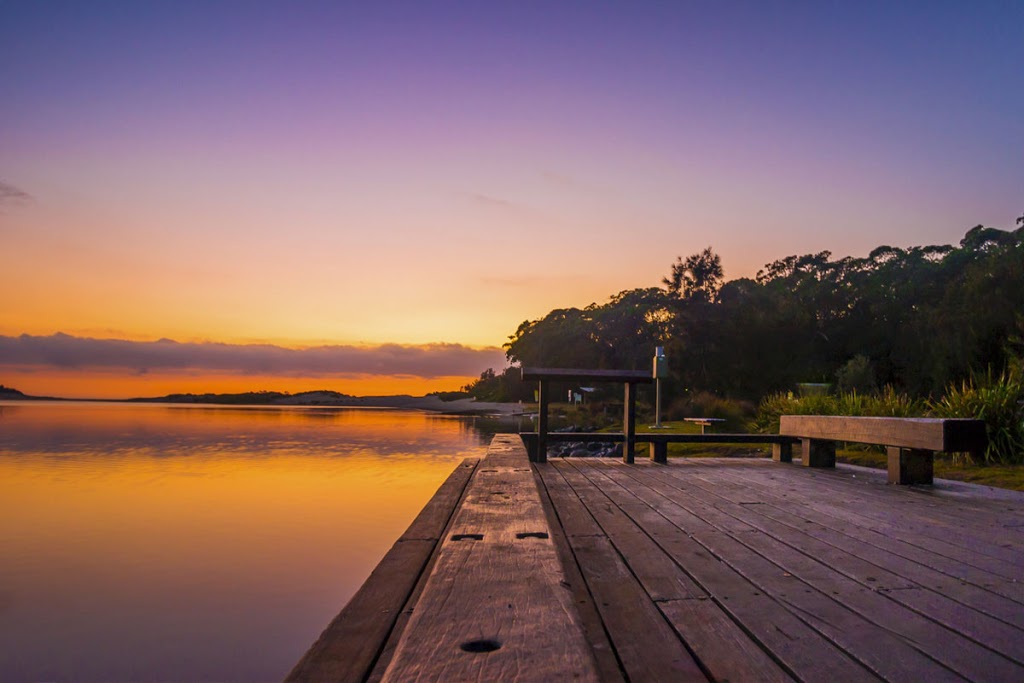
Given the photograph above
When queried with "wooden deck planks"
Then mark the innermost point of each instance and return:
(698, 621)
(624, 607)
(838, 510)
(496, 605)
(789, 554)
(959, 607)
(721, 569)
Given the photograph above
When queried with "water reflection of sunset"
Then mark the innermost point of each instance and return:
(209, 531)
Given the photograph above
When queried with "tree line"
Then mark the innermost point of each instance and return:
(915, 319)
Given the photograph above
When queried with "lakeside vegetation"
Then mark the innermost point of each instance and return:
(929, 330)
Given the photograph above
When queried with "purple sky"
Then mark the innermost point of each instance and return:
(412, 173)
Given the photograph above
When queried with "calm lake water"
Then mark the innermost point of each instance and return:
(199, 543)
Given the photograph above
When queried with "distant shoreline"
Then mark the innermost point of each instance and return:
(326, 399)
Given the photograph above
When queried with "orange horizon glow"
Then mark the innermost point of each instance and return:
(84, 384)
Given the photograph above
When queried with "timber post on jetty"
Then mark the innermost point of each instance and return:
(789, 568)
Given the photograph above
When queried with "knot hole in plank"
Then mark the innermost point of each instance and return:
(532, 534)
(467, 537)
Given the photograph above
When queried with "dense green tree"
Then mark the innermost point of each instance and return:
(919, 317)
(698, 277)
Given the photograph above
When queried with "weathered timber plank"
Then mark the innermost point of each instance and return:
(351, 643)
(964, 505)
(495, 606)
(645, 643)
(955, 650)
(874, 645)
(933, 434)
(871, 565)
(837, 507)
(590, 620)
(884, 651)
(660, 577)
(917, 520)
(926, 635)
(801, 650)
(575, 519)
(722, 647)
(699, 508)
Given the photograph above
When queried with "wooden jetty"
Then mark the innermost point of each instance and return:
(729, 569)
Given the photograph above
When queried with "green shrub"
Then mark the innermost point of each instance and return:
(887, 403)
(997, 401)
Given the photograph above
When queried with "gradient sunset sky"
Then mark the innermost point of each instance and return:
(371, 196)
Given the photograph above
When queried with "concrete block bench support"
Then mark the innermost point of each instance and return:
(911, 443)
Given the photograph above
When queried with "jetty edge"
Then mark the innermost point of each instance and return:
(473, 590)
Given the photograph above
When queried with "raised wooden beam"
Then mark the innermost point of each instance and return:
(495, 607)
(657, 437)
(350, 645)
(574, 375)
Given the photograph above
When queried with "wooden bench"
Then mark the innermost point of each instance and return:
(911, 442)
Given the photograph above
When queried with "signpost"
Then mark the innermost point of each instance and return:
(660, 370)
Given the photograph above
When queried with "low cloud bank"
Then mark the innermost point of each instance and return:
(68, 352)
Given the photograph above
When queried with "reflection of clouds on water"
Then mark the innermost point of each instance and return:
(68, 430)
(212, 528)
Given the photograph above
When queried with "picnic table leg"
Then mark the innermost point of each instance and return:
(629, 424)
(541, 455)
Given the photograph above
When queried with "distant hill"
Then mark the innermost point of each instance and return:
(12, 394)
(9, 393)
(308, 398)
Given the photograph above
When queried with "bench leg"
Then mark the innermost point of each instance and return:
(818, 453)
(910, 465)
(659, 452)
(782, 452)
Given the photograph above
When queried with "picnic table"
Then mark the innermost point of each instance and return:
(703, 421)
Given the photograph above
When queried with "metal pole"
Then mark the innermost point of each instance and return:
(657, 403)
